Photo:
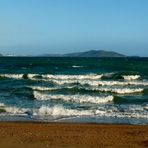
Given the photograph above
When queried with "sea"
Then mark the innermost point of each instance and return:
(60, 89)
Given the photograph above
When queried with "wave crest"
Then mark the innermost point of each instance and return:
(131, 77)
(59, 110)
(74, 98)
(13, 110)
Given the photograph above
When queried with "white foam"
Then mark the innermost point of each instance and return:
(42, 88)
(120, 90)
(84, 82)
(131, 77)
(146, 107)
(16, 110)
(76, 66)
(13, 110)
(59, 110)
(74, 98)
(100, 83)
(72, 77)
(31, 75)
(14, 76)
(144, 83)
(131, 111)
(2, 104)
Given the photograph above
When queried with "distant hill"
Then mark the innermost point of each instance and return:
(90, 53)
(95, 53)
(1, 55)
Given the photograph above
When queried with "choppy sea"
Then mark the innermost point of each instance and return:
(100, 90)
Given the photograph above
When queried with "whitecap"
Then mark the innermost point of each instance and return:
(2, 104)
(12, 110)
(76, 66)
(59, 110)
(13, 76)
(74, 98)
(120, 90)
(131, 77)
(42, 88)
(100, 83)
(72, 77)
(131, 111)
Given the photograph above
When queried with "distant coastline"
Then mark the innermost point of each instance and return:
(86, 54)
(90, 53)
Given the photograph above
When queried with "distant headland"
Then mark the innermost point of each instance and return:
(90, 53)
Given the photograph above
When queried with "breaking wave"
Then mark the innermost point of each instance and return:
(120, 90)
(101, 89)
(74, 98)
(73, 77)
(42, 88)
(13, 76)
(76, 66)
(131, 111)
(100, 83)
(59, 110)
(13, 110)
(110, 76)
(131, 77)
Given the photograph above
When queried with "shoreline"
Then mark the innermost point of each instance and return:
(70, 135)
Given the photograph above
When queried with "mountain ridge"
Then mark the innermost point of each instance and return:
(89, 53)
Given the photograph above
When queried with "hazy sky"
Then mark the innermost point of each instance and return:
(62, 26)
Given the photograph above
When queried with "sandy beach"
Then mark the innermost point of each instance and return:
(70, 135)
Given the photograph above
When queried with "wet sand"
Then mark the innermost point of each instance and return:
(70, 135)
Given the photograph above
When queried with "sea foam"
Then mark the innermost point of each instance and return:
(120, 90)
(131, 111)
(72, 77)
(131, 77)
(59, 110)
(74, 98)
(13, 76)
(12, 110)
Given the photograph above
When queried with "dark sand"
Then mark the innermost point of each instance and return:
(69, 135)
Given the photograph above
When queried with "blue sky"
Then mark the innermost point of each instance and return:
(62, 26)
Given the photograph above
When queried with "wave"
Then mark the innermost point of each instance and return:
(105, 89)
(120, 90)
(131, 111)
(131, 77)
(76, 66)
(59, 110)
(13, 76)
(13, 110)
(109, 76)
(49, 76)
(146, 107)
(88, 79)
(72, 77)
(74, 98)
(119, 111)
(100, 83)
(42, 88)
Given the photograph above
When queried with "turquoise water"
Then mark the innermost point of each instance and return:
(102, 90)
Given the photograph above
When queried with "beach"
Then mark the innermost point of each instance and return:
(73, 102)
(71, 135)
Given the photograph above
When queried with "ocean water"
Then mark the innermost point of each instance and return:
(100, 90)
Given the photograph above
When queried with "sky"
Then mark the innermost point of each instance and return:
(64, 26)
